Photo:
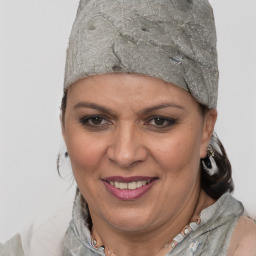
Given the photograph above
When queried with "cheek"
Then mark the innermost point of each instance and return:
(179, 152)
(85, 152)
(178, 156)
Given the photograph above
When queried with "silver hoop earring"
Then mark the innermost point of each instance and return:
(209, 163)
(63, 162)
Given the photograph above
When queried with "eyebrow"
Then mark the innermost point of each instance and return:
(109, 111)
(93, 106)
(161, 106)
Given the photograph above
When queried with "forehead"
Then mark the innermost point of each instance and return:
(130, 95)
(127, 88)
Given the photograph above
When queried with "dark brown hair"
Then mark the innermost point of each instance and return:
(217, 184)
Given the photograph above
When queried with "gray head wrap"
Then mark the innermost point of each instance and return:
(174, 40)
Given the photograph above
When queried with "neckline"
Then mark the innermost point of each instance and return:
(206, 217)
(192, 226)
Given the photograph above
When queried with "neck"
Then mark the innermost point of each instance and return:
(153, 241)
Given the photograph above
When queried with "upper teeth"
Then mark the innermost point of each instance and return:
(129, 185)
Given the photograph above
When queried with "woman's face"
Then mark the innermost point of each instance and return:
(135, 145)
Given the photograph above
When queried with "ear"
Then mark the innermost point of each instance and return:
(208, 128)
(62, 126)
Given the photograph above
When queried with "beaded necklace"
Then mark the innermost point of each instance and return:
(192, 226)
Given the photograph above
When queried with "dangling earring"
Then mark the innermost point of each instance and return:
(63, 161)
(209, 163)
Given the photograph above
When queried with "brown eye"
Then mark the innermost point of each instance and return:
(94, 121)
(161, 122)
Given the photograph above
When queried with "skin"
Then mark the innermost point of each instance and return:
(127, 142)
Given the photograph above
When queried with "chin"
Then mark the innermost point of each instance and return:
(131, 226)
(130, 221)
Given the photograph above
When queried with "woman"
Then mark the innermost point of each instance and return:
(138, 115)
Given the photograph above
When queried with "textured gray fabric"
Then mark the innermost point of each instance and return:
(13, 247)
(212, 235)
(173, 40)
(77, 241)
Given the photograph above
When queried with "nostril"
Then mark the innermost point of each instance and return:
(126, 157)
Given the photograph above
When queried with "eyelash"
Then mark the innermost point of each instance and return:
(167, 122)
(86, 121)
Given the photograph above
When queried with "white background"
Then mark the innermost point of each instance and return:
(33, 40)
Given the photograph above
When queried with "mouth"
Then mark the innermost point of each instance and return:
(129, 188)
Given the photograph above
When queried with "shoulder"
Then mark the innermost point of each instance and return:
(12, 247)
(43, 237)
(243, 241)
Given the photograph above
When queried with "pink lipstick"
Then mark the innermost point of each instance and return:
(129, 188)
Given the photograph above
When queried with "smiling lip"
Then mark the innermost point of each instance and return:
(129, 188)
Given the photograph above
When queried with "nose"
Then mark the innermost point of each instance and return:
(126, 148)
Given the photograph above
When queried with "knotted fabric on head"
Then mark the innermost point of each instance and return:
(174, 40)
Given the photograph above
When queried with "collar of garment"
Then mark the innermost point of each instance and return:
(78, 239)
